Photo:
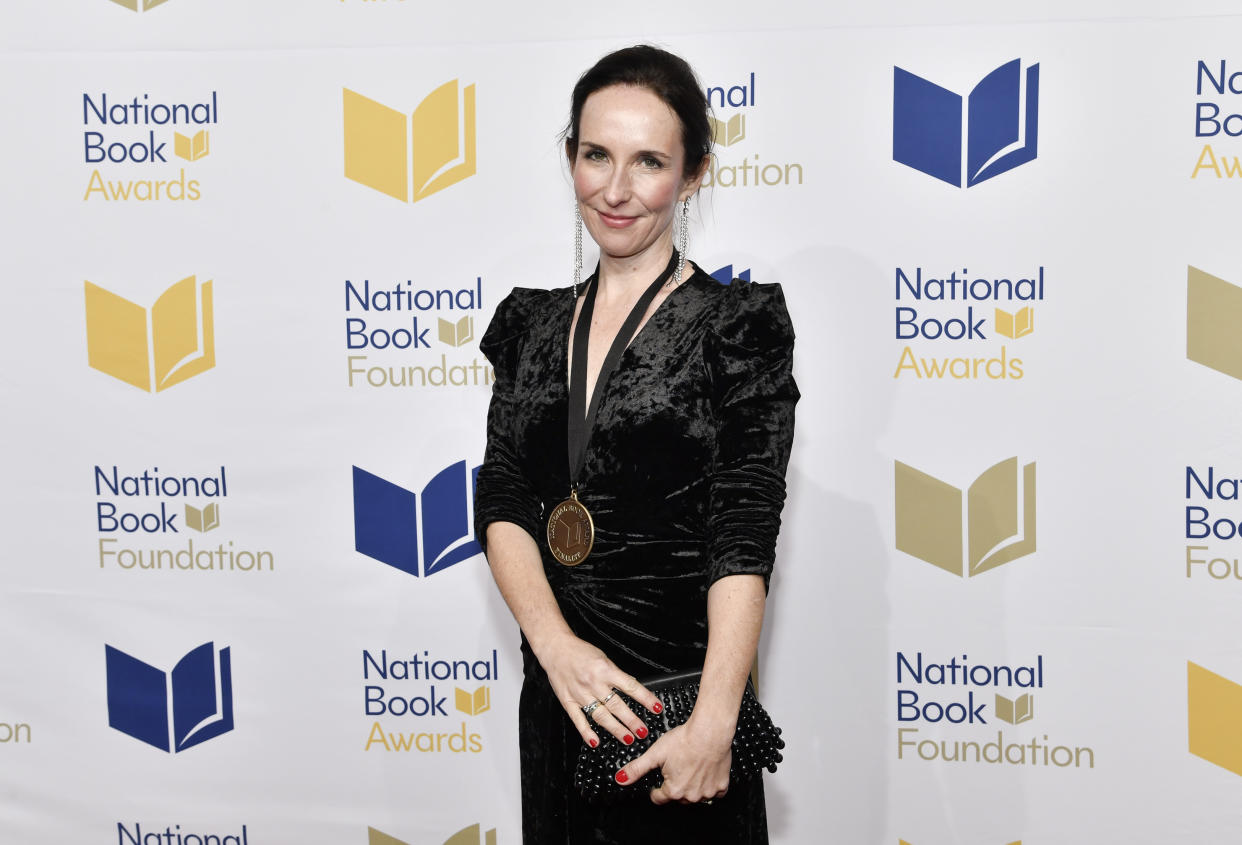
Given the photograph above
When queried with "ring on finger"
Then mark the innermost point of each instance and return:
(609, 697)
(590, 708)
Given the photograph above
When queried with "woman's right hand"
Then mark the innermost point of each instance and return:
(580, 674)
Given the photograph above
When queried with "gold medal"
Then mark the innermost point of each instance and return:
(571, 532)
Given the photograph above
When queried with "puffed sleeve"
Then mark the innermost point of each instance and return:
(749, 359)
(502, 492)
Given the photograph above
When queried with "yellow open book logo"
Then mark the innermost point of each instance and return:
(203, 520)
(456, 334)
(726, 133)
(411, 158)
(472, 835)
(1214, 704)
(1015, 325)
(154, 348)
(474, 703)
(139, 5)
(1015, 711)
(998, 511)
(192, 147)
(1213, 320)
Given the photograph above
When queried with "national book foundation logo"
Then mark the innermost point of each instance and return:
(726, 274)
(411, 157)
(176, 710)
(472, 835)
(1213, 315)
(387, 520)
(968, 698)
(934, 310)
(15, 733)
(734, 165)
(173, 834)
(967, 140)
(127, 136)
(1214, 708)
(1213, 515)
(176, 515)
(402, 335)
(997, 510)
(152, 348)
(415, 692)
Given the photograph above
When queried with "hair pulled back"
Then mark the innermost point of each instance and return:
(667, 76)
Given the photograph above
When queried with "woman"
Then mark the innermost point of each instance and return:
(681, 466)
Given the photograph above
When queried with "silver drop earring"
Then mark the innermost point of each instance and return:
(577, 248)
(683, 238)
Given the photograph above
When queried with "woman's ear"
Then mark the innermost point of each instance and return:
(694, 181)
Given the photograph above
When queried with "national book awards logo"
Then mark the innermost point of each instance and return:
(409, 157)
(966, 140)
(472, 835)
(735, 164)
(426, 703)
(152, 348)
(1213, 314)
(141, 148)
(399, 334)
(148, 519)
(172, 711)
(420, 534)
(964, 327)
(966, 532)
(974, 712)
(1219, 119)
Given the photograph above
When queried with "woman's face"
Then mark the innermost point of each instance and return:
(629, 171)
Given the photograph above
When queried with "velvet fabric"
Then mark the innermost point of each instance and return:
(685, 480)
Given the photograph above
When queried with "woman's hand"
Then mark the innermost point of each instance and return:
(694, 759)
(580, 675)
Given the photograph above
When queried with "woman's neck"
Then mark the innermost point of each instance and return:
(624, 279)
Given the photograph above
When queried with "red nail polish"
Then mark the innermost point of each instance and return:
(641, 731)
(594, 743)
(657, 708)
(622, 777)
(627, 739)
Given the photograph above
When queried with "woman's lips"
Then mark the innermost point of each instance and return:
(615, 222)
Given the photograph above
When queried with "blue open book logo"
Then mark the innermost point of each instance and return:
(1000, 124)
(199, 695)
(725, 275)
(386, 520)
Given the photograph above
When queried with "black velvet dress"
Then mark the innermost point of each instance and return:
(685, 479)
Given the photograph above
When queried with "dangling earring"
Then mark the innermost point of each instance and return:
(683, 238)
(577, 248)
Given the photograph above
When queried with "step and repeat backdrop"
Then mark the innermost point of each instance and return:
(246, 280)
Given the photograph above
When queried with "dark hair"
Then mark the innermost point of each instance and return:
(667, 76)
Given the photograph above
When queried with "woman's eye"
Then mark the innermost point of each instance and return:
(595, 155)
(652, 162)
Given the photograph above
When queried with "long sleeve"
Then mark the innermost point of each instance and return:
(503, 492)
(749, 357)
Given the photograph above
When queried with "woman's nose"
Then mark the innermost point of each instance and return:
(618, 188)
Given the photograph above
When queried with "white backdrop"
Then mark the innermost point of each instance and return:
(1109, 410)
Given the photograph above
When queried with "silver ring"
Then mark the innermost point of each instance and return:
(706, 801)
(609, 697)
(590, 708)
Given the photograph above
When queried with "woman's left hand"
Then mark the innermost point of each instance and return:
(694, 759)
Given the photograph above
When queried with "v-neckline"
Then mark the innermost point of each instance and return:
(566, 345)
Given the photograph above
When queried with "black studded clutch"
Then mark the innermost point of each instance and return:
(757, 742)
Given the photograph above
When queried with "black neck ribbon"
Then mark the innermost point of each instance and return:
(581, 417)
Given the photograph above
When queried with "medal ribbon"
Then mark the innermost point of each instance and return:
(582, 418)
